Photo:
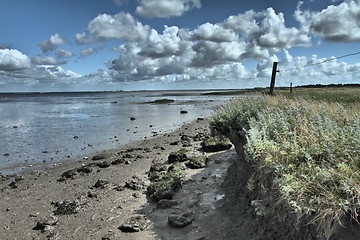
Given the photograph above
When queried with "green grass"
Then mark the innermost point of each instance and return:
(310, 148)
(346, 95)
(236, 92)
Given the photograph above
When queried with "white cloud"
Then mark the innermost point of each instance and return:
(164, 45)
(121, 26)
(87, 52)
(40, 60)
(62, 53)
(165, 8)
(245, 24)
(208, 54)
(338, 23)
(82, 38)
(267, 29)
(54, 41)
(12, 60)
(214, 33)
(264, 68)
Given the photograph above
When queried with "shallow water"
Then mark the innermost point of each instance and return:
(44, 129)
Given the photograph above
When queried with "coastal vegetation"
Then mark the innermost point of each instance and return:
(307, 144)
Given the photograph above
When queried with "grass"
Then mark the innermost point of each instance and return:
(309, 144)
(346, 95)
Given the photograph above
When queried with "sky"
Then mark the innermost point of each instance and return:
(111, 45)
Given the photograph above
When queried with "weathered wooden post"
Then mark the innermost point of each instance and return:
(290, 87)
(273, 76)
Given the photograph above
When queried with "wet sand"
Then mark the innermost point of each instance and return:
(94, 209)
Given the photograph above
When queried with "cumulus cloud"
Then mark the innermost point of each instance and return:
(338, 23)
(62, 53)
(214, 33)
(121, 26)
(244, 23)
(50, 44)
(267, 29)
(40, 60)
(164, 45)
(87, 52)
(12, 60)
(165, 8)
(83, 38)
(91, 50)
(208, 54)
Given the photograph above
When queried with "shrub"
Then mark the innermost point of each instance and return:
(311, 148)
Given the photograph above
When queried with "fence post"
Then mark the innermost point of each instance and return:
(273, 76)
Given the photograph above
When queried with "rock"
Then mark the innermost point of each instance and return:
(179, 221)
(196, 162)
(158, 167)
(103, 164)
(199, 119)
(110, 236)
(14, 184)
(132, 118)
(174, 143)
(100, 156)
(6, 154)
(183, 112)
(118, 161)
(166, 203)
(164, 194)
(101, 183)
(135, 224)
(67, 207)
(119, 188)
(136, 183)
(178, 156)
(128, 155)
(185, 138)
(46, 223)
(215, 144)
(92, 194)
(70, 173)
(177, 167)
(85, 169)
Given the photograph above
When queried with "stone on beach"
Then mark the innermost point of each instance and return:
(46, 223)
(100, 156)
(67, 207)
(135, 224)
(101, 183)
(179, 221)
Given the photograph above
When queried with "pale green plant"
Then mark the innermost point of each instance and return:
(311, 148)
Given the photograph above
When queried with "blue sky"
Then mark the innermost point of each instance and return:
(85, 45)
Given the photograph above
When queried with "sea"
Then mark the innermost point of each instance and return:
(44, 129)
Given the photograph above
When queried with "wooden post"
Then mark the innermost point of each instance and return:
(273, 76)
(290, 87)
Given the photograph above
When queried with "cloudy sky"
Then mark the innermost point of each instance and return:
(68, 45)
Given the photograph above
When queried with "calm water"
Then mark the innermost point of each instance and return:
(39, 129)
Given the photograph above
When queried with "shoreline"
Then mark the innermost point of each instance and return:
(34, 195)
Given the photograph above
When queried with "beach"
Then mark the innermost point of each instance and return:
(102, 202)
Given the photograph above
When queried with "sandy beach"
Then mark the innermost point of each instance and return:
(94, 202)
